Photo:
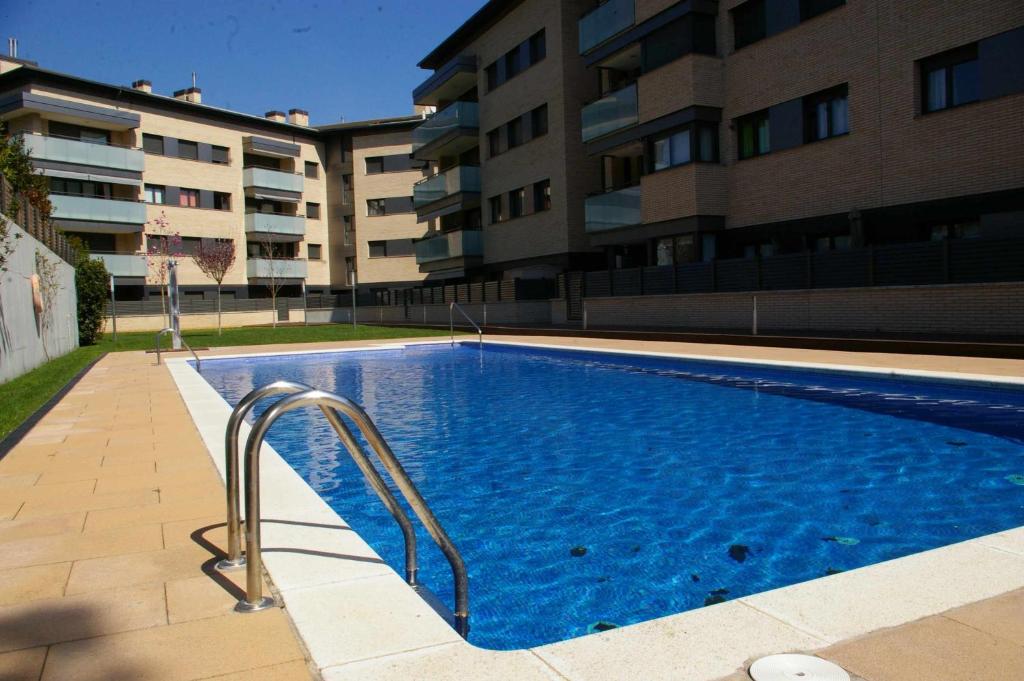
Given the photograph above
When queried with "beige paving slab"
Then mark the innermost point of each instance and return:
(452, 662)
(128, 516)
(79, 546)
(22, 665)
(8, 482)
(148, 567)
(46, 464)
(210, 595)
(289, 671)
(9, 508)
(49, 621)
(30, 583)
(55, 505)
(218, 645)
(933, 648)
(12, 530)
(60, 491)
(151, 480)
(208, 530)
(98, 472)
(1002, 617)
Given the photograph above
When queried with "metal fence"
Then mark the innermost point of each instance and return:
(35, 223)
(153, 306)
(933, 262)
(479, 292)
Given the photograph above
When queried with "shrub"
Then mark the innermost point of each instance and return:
(92, 283)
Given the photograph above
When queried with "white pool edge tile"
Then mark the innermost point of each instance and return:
(285, 489)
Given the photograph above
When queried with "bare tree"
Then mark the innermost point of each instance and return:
(162, 245)
(273, 254)
(214, 258)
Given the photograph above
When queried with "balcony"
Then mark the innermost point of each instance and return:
(276, 185)
(449, 132)
(611, 210)
(608, 114)
(455, 189)
(464, 244)
(110, 215)
(447, 82)
(122, 264)
(275, 268)
(607, 20)
(277, 226)
(67, 150)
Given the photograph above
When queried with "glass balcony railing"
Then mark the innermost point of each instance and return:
(67, 150)
(464, 115)
(276, 268)
(612, 209)
(608, 114)
(608, 19)
(94, 209)
(123, 264)
(442, 185)
(458, 244)
(275, 223)
(271, 179)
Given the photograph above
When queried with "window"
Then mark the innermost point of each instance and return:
(221, 201)
(539, 121)
(675, 250)
(513, 65)
(346, 190)
(152, 144)
(494, 142)
(392, 248)
(374, 165)
(312, 170)
(753, 135)
(514, 132)
(692, 33)
(347, 229)
(969, 229)
(312, 210)
(495, 206)
(313, 251)
(375, 207)
(154, 193)
(98, 190)
(697, 142)
(825, 114)
(350, 268)
(378, 249)
(812, 8)
(188, 198)
(749, 23)
(219, 155)
(950, 79)
(492, 76)
(79, 132)
(532, 50)
(541, 196)
(515, 202)
(188, 150)
(538, 47)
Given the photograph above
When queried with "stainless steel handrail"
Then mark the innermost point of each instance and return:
(235, 560)
(170, 330)
(451, 322)
(254, 599)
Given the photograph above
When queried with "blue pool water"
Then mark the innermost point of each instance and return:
(685, 482)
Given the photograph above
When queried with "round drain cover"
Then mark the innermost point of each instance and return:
(796, 668)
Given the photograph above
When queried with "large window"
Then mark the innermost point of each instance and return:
(154, 193)
(692, 33)
(219, 155)
(675, 250)
(375, 207)
(392, 248)
(826, 114)
(516, 60)
(749, 23)
(539, 121)
(347, 228)
(188, 198)
(346, 189)
(188, 149)
(697, 142)
(950, 79)
(79, 132)
(494, 203)
(541, 195)
(152, 144)
(516, 197)
(538, 47)
(752, 133)
(494, 142)
(221, 201)
(514, 132)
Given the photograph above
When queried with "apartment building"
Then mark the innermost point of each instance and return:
(747, 128)
(504, 197)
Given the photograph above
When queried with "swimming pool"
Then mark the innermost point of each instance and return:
(585, 487)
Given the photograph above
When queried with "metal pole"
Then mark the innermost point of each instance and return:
(353, 279)
(755, 315)
(113, 307)
(305, 309)
(172, 267)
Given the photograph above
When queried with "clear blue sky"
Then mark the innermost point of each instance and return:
(333, 58)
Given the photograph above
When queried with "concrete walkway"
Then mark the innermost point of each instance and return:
(111, 517)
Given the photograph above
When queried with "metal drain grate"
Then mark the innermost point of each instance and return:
(789, 667)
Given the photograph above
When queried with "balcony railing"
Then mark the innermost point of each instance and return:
(458, 115)
(68, 150)
(611, 18)
(612, 210)
(266, 178)
(96, 209)
(122, 264)
(275, 223)
(458, 244)
(452, 181)
(608, 114)
(275, 268)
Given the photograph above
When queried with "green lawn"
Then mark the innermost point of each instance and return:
(22, 396)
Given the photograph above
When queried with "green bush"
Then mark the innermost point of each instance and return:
(92, 283)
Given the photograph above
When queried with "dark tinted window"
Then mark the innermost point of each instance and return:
(492, 76)
(515, 202)
(494, 203)
(541, 195)
(748, 23)
(378, 249)
(812, 8)
(152, 144)
(312, 210)
(538, 47)
(375, 207)
(188, 149)
(539, 121)
(752, 135)
(221, 201)
(514, 132)
(313, 251)
(312, 169)
(950, 79)
(398, 248)
(494, 142)
(374, 165)
(825, 114)
(219, 155)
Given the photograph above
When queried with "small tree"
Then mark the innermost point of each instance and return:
(16, 168)
(214, 258)
(162, 245)
(273, 254)
(92, 285)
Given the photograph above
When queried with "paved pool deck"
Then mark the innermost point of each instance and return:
(112, 512)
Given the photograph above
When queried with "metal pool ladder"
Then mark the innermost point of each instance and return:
(171, 331)
(330, 404)
(452, 307)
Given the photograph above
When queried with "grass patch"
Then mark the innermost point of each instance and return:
(22, 396)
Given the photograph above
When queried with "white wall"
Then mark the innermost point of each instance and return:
(21, 337)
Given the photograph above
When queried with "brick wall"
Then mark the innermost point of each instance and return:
(968, 310)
